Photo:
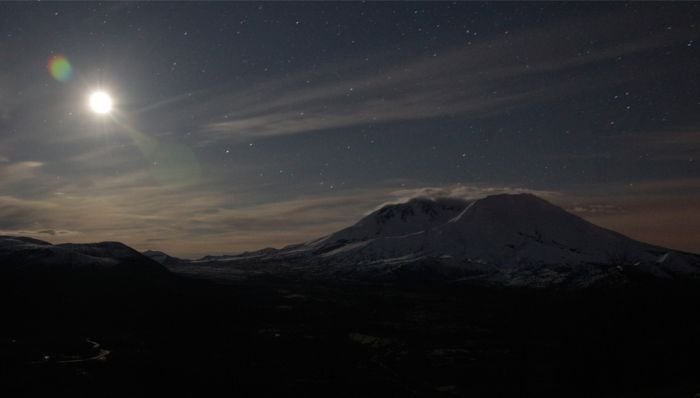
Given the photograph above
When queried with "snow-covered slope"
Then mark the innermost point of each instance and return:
(404, 219)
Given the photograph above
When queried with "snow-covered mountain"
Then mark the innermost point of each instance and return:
(503, 230)
(504, 239)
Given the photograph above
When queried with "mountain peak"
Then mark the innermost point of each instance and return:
(422, 214)
(432, 209)
(516, 203)
(510, 207)
(503, 230)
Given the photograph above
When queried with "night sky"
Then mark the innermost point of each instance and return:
(238, 126)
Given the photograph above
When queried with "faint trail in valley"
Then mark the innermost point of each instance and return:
(102, 354)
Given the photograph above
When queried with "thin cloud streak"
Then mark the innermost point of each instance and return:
(475, 81)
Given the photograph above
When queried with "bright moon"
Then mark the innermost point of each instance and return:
(100, 102)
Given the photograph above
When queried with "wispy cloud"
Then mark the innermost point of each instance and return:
(479, 79)
(467, 192)
(678, 145)
(45, 233)
(669, 220)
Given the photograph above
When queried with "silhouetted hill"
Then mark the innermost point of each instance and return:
(30, 264)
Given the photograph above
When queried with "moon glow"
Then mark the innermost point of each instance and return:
(100, 102)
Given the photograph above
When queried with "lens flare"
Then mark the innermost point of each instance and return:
(173, 164)
(60, 68)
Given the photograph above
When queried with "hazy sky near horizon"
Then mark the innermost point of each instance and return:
(238, 126)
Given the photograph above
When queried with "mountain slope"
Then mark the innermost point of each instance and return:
(34, 262)
(161, 257)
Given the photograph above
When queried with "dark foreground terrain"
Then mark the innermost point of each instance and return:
(271, 337)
